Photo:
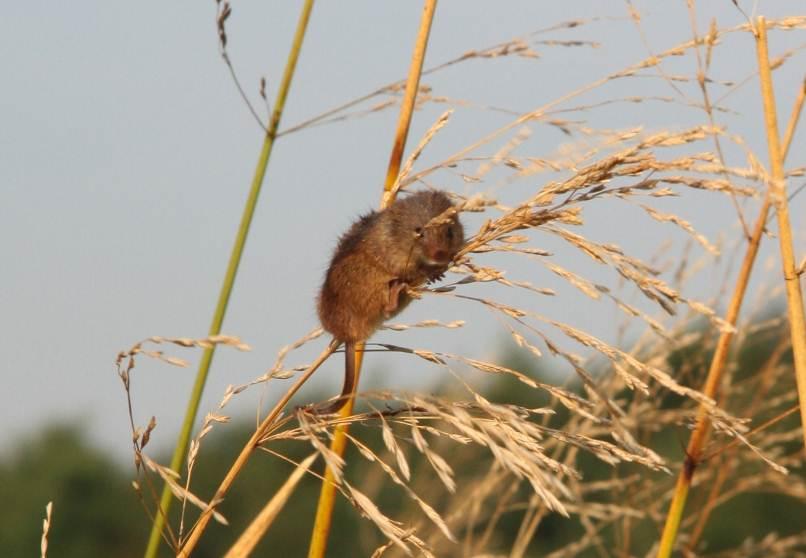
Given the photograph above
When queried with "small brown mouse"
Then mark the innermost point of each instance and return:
(411, 242)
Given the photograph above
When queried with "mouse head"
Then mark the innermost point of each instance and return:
(440, 239)
(427, 217)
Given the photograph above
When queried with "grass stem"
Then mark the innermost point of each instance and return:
(700, 435)
(327, 496)
(180, 451)
(794, 296)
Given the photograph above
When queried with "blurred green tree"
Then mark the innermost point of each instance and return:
(95, 511)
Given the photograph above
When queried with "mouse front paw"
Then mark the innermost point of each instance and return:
(393, 303)
(433, 278)
(435, 274)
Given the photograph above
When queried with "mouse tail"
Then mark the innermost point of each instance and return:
(349, 381)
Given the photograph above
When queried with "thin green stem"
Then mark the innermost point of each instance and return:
(180, 451)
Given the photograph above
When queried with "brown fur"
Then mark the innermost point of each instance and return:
(381, 255)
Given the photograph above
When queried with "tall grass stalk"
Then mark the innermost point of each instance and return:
(699, 436)
(729, 464)
(410, 95)
(797, 320)
(327, 495)
(180, 451)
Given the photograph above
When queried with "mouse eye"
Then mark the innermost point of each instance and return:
(418, 231)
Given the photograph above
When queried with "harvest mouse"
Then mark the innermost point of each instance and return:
(411, 242)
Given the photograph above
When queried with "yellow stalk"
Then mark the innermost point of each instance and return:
(715, 371)
(794, 297)
(726, 465)
(410, 94)
(327, 496)
(700, 434)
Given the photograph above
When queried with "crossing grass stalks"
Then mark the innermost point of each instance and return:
(623, 397)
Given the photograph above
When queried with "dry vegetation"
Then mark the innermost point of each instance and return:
(625, 393)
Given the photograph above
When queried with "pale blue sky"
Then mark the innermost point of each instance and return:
(126, 154)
